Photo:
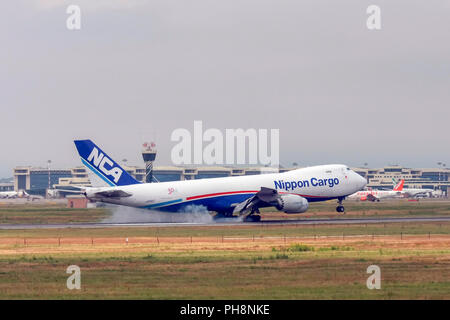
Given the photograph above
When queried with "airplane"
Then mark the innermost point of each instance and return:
(19, 194)
(290, 192)
(412, 192)
(377, 195)
(13, 194)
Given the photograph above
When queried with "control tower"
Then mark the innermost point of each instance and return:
(149, 155)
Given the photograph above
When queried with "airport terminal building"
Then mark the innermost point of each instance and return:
(424, 178)
(38, 180)
(6, 186)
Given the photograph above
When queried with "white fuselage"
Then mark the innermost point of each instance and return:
(12, 194)
(317, 183)
(8, 194)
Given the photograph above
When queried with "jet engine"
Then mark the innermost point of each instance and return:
(290, 203)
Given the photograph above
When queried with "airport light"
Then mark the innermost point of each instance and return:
(443, 166)
(49, 181)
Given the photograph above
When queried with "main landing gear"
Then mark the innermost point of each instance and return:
(224, 215)
(340, 208)
(252, 217)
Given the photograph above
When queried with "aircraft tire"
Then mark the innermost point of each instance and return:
(253, 218)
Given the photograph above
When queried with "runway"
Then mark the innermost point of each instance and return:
(223, 222)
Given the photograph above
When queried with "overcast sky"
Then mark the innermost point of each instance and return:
(138, 69)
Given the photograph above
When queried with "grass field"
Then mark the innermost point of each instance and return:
(47, 213)
(180, 263)
(208, 270)
(228, 262)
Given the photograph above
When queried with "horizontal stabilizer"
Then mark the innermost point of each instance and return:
(112, 194)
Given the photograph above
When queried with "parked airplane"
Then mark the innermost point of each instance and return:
(377, 195)
(19, 194)
(412, 192)
(289, 192)
(13, 194)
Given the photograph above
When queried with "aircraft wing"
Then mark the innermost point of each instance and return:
(70, 191)
(263, 198)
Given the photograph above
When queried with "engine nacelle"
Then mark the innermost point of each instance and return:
(290, 203)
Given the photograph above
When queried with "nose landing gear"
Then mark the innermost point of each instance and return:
(340, 208)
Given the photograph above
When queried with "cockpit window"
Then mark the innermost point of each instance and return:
(348, 169)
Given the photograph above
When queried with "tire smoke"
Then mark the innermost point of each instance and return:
(190, 214)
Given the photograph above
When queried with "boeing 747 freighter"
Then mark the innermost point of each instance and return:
(289, 192)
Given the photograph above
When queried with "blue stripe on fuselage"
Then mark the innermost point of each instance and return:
(219, 203)
(157, 205)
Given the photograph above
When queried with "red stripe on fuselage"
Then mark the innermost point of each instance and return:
(218, 194)
(235, 192)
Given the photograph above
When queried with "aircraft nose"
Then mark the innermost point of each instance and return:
(362, 181)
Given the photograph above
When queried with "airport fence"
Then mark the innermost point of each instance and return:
(281, 239)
